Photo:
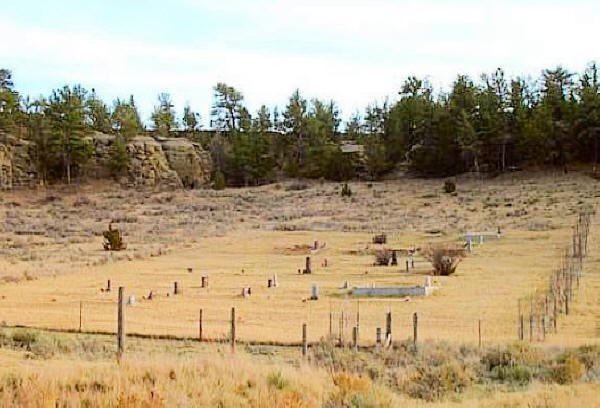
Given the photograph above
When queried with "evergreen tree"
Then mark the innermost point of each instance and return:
(98, 115)
(119, 157)
(125, 119)
(66, 113)
(226, 109)
(9, 101)
(190, 120)
(163, 117)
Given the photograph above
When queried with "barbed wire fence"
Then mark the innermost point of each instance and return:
(341, 325)
(547, 305)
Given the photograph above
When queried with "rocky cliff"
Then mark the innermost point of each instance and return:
(17, 165)
(153, 162)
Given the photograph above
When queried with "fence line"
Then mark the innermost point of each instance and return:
(538, 313)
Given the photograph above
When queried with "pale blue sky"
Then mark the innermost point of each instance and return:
(354, 52)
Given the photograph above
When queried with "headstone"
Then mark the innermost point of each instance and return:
(428, 282)
(275, 281)
(189, 270)
(269, 283)
(204, 281)
(308, 268)
(131, 300)
(314, 293)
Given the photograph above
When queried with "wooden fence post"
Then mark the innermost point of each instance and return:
(520, 323)
(378, 336)
(304, 341)
(120, 324)
(175, 288)
(200, 326)
(555, 313)
(530, 327)
(342, 329)
(233, 329)
(415, 329)
(355, 338)
(544, 328)
(388, 327)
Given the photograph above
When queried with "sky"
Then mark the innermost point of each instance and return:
(354, 52)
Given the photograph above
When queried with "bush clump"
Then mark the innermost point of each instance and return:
(277, 380)
(449, 186)
(432, 382)
(443, 258)
(568, 371)
(346, 191)
(219, 182)
(518, 374)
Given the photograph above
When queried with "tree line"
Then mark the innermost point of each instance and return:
(491, 124)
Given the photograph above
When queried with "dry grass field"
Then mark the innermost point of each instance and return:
(52, 262)
(486, 287)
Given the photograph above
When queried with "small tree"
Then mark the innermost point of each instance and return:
(113, 240)
(119, 158)
(444, 258)
(449, 186)
(346, 191)
(163, 117)
(383, 257)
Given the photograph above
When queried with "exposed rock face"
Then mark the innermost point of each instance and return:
(148, 165)
(17, 165)
(165, 162)
(153, 162)
(188, 159)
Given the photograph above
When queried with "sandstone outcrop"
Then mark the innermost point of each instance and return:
(17, 167)
(188, 159)
(153, 162)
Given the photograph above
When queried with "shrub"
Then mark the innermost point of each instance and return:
(519, 353)
(350, 391)
(297, 186)
(379, 239)
(433, 382)
(219, 182)
(277, 381)
(518, 374)
(383, 257)
(346, 191)
(449, 186)
(569, 371)
(24, 338)
(443, 258)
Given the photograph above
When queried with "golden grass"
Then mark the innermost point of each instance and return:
(237, 230)
(486, 287)
(159, 379)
